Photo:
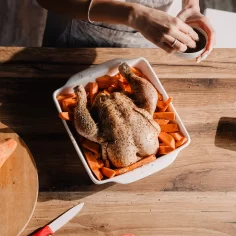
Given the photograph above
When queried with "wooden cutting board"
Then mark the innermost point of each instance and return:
(18, 187)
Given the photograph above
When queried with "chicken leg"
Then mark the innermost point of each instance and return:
(84, 123)
(145, 95)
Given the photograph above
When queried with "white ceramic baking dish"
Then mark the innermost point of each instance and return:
(111, 67)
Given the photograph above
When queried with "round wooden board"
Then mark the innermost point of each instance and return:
(18, 187)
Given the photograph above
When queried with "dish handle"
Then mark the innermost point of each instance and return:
(148, 169)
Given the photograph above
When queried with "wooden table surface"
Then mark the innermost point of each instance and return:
(194, 196)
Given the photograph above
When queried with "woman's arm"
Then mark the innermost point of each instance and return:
(101, 11)
(156, 26)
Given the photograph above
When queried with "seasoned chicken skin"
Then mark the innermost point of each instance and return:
(123, 126)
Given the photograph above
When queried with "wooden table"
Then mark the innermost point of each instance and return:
(195, 196)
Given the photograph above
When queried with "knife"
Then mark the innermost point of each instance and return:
(60, 221)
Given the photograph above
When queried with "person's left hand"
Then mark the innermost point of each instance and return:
(193, 17)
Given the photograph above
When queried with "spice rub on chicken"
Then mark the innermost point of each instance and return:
(123, 125)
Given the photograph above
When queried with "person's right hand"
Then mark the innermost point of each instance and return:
(162, 29)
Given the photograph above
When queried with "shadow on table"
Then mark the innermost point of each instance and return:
(26, 106)
(226, 133)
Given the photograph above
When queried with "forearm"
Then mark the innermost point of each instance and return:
(106, 11)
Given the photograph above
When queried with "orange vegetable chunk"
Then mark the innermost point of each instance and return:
(109, 173)
(140, 163)
(161, 121)
(164, 149)
(181, 142)
(168, 128)
(177, 135)
(98, 174)
(164, 115)
(160, 104)
(92, 161)
(93, 91)
(65, 115)
(167, 103)
(167, 139)
(90, 145)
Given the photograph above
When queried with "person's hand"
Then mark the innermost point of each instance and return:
(167, 32)
(192, 16)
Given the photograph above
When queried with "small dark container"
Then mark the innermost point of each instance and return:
(191, 53)
(200, 44)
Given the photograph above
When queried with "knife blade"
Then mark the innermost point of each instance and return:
(60, 221)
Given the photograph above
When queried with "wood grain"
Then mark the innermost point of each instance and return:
(193, 196)
(18, 187)
(28, 108)
(143, 213)
(62, 63)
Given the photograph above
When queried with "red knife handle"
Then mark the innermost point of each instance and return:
(45, 231)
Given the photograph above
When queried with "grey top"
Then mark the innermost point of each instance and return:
(64, 32)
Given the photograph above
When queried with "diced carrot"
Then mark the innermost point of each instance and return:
(116, 76)
(87, 87)
(65, 107)
(115, 85)
(90, 145)
(164, 149)
(103, 81)
(161, 121)
(109, 173)
(162, 144)
(93, 91)
(107, 164)
(7, 147)
(98, 174)
(94, 164)
(70, 100)
(160, 97)
(177, 135)
(181, 142)
(64, 96)
(97, 155)
(106, 81)
(92, 161)
(100, 163)
(163, 106)
(111, 89)
(65, 115)
(125, 87)
(168, 128)
(167, 103)
(121, 171)
(68, 104)
(106, 92)
(72, 106)
(140, 163)
(167, 139)
(122, 79)
(160, 104)
(164, 115)
(128, 89)
(138, 72)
